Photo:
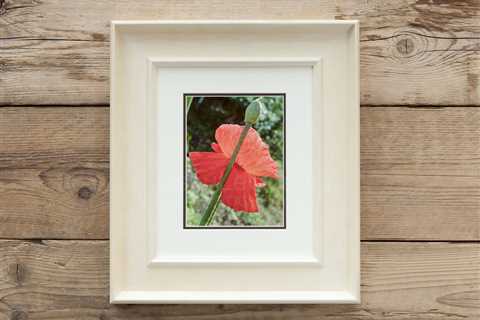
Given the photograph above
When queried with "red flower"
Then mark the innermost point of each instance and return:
(253, 161)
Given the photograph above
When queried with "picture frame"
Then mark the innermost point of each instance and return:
(315, 258)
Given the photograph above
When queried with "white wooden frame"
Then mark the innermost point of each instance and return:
(336, 106)
(153, 63)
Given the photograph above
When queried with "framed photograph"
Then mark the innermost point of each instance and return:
(213, 123)
(234, 162)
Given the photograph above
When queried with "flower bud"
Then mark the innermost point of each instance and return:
(253, 112)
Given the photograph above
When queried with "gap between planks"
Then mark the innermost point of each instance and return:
(83, 105)
(419, 241)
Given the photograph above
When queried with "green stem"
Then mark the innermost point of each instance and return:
(212, 206)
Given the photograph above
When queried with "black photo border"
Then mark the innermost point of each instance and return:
(184, 130)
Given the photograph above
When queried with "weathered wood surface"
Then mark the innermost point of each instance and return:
(418, 52)
(69, 280)
(420, 173)
(412, 52)
(54, 172)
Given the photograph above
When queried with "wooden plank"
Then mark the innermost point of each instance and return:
(38, 72)
(412, 52)
(420, 173)
(418, 52)
(69, 280)
(420, 178)
(54, 172)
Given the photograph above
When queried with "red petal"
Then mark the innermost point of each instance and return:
(259, 182)
(227, 136)
(216, 147)
(254, 156)
(239, 192)
(209, 166)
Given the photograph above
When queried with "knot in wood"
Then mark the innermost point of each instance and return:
(18, 315)
(3, 7)
(85, 193)
(405, 46)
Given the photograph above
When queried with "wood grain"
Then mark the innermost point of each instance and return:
(412, 52)
(69, 280)
(417, 52)
(54, 172)
(420, 173)
(420, 167)
(420, 177)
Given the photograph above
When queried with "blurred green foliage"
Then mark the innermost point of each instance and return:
(204, 115)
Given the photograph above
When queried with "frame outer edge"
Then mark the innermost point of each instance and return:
(116, 250)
